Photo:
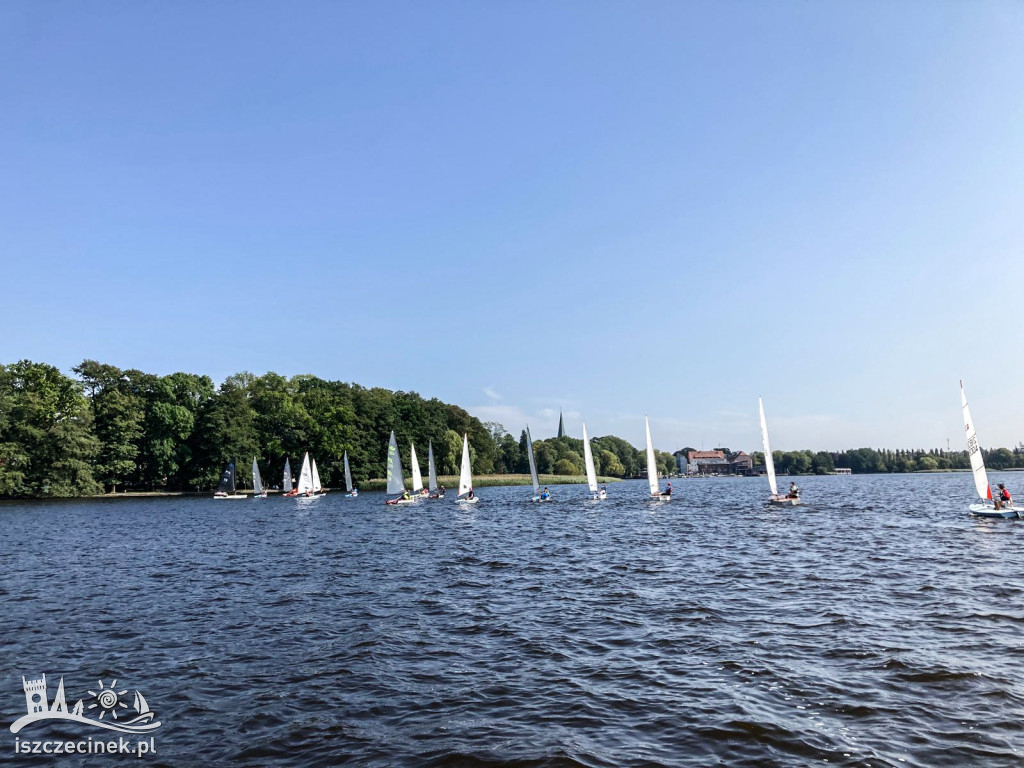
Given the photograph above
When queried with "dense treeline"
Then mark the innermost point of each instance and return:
(109, 429)
(870, 460)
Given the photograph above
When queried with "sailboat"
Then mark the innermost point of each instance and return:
(537, 495)
(396, 482)
(652, 469)
(304, 489)
(981, 484)
(226, 486)
(318, 489)
(769, 465)
(588, 459)
(435, 493)
(466, 495)
(286, 480)
(418, 491)
(348, 480)
(258, 491)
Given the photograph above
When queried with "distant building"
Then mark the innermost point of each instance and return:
(561, 425)
(713, 463)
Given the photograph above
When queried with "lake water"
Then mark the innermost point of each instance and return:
(879, 625)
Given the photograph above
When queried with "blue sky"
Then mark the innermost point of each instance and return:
(608, 208)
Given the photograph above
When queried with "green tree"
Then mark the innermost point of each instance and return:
(610, 465)
(118, 414)
(47, 444)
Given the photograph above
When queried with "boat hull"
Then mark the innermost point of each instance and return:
(233, 496)
(474, 500)
(661, 497)
(783, 501)
(984, 510)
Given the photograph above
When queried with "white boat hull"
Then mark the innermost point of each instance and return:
(474, 500)
(784, 501)
(661, 497)
(233, 496)
(987, 510)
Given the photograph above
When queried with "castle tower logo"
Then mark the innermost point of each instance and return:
(107, 706)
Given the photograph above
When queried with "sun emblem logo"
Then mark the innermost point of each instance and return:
(107, 699)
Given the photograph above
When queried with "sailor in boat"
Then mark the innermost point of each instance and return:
(667, 491)
(405, 495)
(470, 495)
(794, 491)
(545, 494)
(439, 494)
(1003, 498)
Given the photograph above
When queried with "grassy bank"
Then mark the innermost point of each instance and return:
(483, 481)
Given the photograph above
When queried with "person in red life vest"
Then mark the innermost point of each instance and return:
(1003, 498)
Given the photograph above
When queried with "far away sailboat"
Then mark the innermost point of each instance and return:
(418, 491)
(305, 488)
(226, 486)
(652, 469)
(981, 484)
(258, 492)
(588, 459)
(318, 490)
(350, 491)
(435, 493)
(466, 495)
(286, 480)
(769, 465)
(537, 495)
(396, 482)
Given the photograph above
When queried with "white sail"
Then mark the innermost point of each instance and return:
(652, 462)
(431, 470)
(396, 480)
(977, 462)
(769, 461)
(465, 472)
(533, 464)
(305, 477)
(286, 485)
(348, 475)
(316, 479)
(257, 481)
(417, 478)
(588, 458)
(140, 704)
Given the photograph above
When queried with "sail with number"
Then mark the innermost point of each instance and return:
(348, 475)
(431, 470)
(286, 483)
(396, 481)
(257, 481)
(533, 463)
(417, 478)
(465, 472)
(977, 461)
(588, 459)
(316, 478)
(305, 477)
(227, 480)
(769, 461)
(652, 462)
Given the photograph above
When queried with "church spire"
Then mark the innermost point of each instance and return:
(561, 425)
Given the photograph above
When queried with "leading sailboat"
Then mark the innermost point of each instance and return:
(466, 495)
(537, 495)
(258, 491)
(981, 485)
(306, 488)
(769, 465)
(418, 491)
(350, 491)
(652, 469)
(396, 482)
(588, 459)
(226, 486)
